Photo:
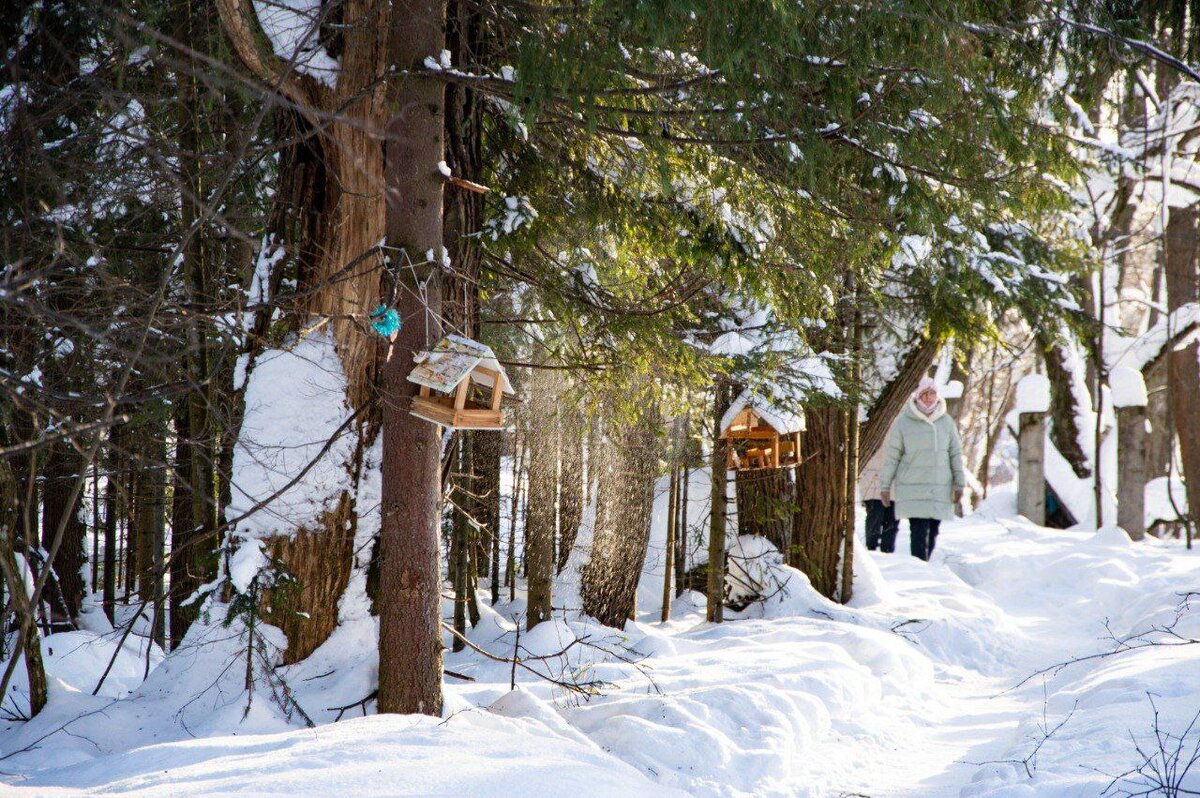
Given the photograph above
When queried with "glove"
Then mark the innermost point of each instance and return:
(958, 494)
(885, 496)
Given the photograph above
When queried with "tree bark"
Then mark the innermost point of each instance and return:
(570, 497)
(623, 514)
(410, 645)
(110, 547)
(669, 547)
(1031, 473)
(819, 522)
(14, 579)
(61, 471)
(1064, 424)
(1183, 365)
(765, 503)
(329, 212)
(540, 515)
(715, 611)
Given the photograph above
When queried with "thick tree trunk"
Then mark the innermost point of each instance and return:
(61, 472)
(1031, 470)
(330, 215)
(410, 645)
(1064, 421)
(540, 515)
(765, 503)
(1160, 439)
(623, 512)
(570, 496)
(818, 526)
(1183, 286)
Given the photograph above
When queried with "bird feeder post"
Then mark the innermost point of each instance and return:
(1032, 404)
(1031, 470)
(1128, 390)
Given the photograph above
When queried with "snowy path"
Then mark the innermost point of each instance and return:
(905, 693)
(972, 724)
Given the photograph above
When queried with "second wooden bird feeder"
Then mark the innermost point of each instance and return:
(761, 434)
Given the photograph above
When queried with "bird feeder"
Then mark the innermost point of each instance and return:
(760, 433)
(462, 384)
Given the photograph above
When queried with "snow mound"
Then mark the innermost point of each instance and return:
(1033, 394)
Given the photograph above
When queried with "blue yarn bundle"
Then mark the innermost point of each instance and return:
(385, 321)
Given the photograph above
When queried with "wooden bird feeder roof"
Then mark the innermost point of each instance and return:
(752, 411)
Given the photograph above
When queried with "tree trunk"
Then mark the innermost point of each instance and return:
(718, 498)
(1183, 286)
(681, 531)
(669, 547)
(330, 214)
(486, 455)
(14, 579)
(1064, 411)
(623, 514)
(410, 645)
(853, 428)
(61, 472)
(540, 515)
(570, 497)
(459, 557)
(194, 510)
(818, 526)
(765, 503)
(1031, 467)
(110, 546)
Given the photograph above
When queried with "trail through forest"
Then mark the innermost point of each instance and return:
(912, 690)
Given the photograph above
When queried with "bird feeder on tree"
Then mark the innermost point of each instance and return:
(761, 434)
(462, 384)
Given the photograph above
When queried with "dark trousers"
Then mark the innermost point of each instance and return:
(881, 526)
(924, 532)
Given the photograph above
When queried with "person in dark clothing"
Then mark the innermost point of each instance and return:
(882, 525)
(923, 533)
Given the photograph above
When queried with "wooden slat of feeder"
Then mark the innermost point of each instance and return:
(460, 395)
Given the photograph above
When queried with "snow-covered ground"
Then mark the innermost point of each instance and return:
(927, 685)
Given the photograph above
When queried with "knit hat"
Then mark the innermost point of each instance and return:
(926, 384)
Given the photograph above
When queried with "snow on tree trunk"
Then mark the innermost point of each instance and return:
(331, 205)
